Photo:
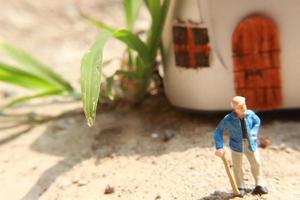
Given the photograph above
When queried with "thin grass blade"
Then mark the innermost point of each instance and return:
(18, 77)
(158, 14)
(33, 66)
(98, 23)
(132, 8)
(27, 98)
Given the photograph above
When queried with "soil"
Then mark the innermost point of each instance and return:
(151, 151)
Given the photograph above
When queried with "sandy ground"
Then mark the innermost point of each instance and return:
(65, 159)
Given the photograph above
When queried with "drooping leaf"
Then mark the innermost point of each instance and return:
(91, 72)
(23, 79)
(33, 66)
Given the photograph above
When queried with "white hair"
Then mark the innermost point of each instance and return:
(237, 100)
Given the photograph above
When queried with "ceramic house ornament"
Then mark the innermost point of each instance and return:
(215, 49)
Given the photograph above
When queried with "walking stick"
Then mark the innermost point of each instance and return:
(230, 176)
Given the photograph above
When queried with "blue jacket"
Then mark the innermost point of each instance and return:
(232, 123)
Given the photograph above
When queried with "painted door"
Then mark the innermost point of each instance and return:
(256, 59)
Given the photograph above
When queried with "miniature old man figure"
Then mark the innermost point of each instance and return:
(243, 126)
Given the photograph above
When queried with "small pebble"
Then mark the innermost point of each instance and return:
(79, 182)
(82, 183)
(288, 150)
(169, 134)
(109, 190)
(155, 135)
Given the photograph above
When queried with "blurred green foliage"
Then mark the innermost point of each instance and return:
(30, 74)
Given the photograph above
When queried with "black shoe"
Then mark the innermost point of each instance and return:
(242, 192)
(260, 190)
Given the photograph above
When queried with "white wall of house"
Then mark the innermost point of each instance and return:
(212, 88)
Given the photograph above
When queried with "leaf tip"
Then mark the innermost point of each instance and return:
(90, 121)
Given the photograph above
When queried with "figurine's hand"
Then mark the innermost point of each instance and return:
(219, 152)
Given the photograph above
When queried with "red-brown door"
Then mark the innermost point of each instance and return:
(256, 52)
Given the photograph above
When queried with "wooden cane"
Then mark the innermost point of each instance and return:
(230, 176)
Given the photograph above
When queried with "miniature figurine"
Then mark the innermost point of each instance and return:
(243, 126)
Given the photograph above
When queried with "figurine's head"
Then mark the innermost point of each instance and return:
(238, 104)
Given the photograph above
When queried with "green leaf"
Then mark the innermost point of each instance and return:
(27, 98)
(23, 79)
(154, 8)
(158, 15)
(33, 66)
(133, 42)
(141, 67)
(91, 72)
(131, 10)
(98, 23)
(125, 36)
